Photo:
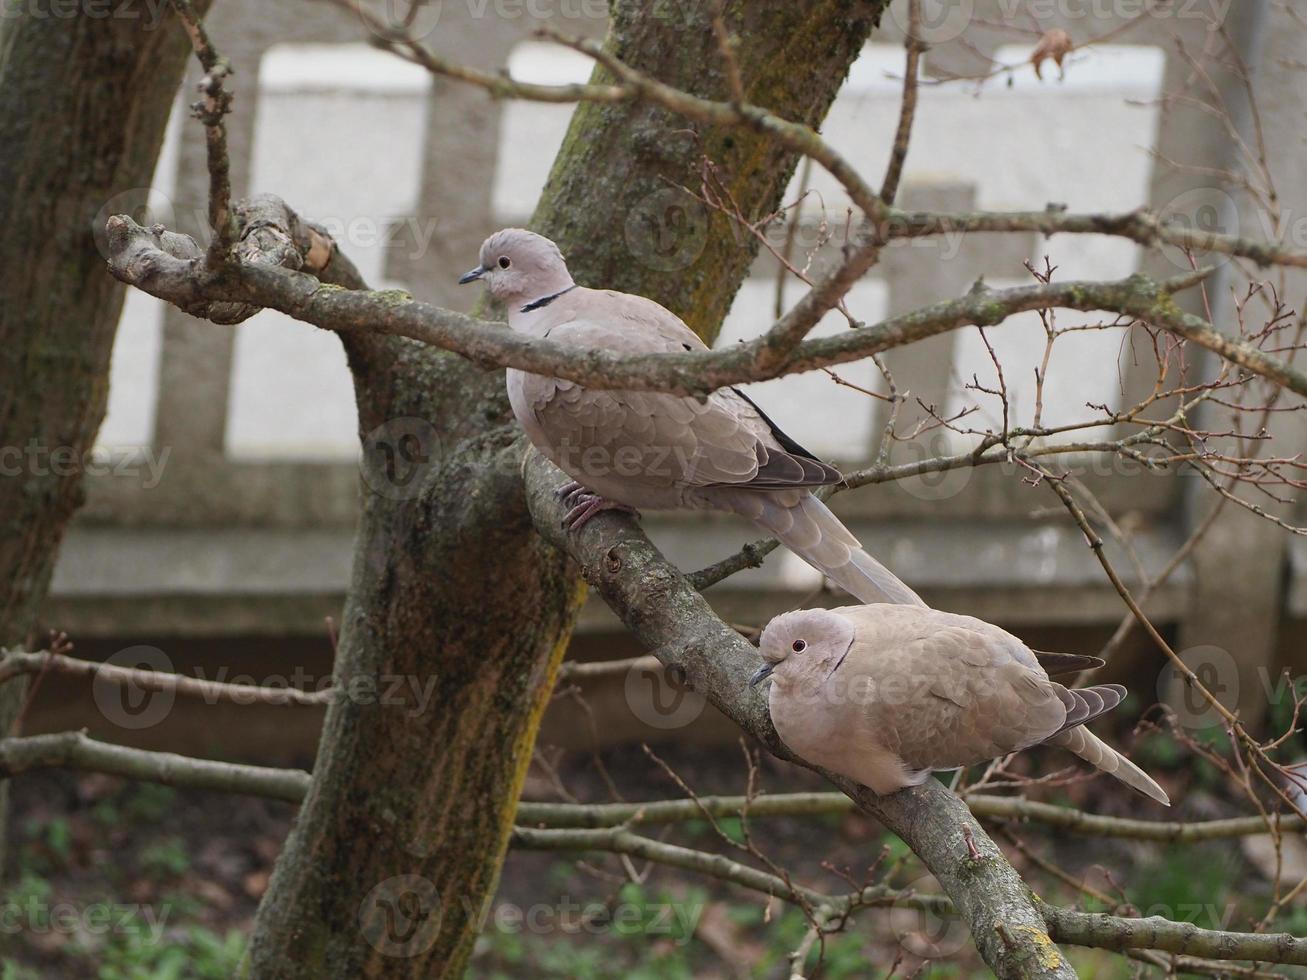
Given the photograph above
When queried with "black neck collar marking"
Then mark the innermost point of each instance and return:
(541, 303)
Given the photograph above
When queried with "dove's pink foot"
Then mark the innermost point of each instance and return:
(570, 489)
(585, 504)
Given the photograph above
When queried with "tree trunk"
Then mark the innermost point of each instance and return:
(398, 846)
(84, 100)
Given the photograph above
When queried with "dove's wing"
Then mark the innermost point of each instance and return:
(949, 694)
(1066, 663)
(619, 442)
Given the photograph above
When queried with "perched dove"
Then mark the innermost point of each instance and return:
(887, 694)
(647, 450)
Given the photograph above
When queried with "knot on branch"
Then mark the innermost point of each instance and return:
(216, 100)
(171, 266)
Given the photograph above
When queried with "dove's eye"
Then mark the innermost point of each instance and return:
(503, 262)
(798, 646)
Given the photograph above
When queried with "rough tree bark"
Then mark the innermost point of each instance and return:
(84, 100)
(398, 846)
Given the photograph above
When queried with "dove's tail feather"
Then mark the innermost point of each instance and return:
(1099, 754)
(811, 531)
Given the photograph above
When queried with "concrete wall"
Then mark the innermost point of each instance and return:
(231, 510)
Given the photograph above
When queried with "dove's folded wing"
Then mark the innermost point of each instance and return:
(655, 440)
(949, 696)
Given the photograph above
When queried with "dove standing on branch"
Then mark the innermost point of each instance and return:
(888, 694)
(656, 451)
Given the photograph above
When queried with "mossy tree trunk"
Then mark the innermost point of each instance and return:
(84, 100)
(398, 846)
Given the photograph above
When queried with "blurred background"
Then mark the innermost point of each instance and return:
(216, 539)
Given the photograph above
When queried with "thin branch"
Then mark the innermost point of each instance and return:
(592, 815)
(17, 663)
(574, 671)
(618, 840)
(889, 187)
(75, 750)
(215, 103)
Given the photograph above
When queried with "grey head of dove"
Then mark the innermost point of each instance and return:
(887, 694)
(520, 267)
(652, 450)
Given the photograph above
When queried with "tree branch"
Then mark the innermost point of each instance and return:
(619, 840)
(592, 815)
(603, 827)
(75, 750)
(163, 265)
(675, 623)
(1154, 932)
(215, 103)
(14, 663)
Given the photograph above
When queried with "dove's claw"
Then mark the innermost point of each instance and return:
(569, 488)
(586, 504)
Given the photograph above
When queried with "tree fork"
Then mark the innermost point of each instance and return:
(398, 845)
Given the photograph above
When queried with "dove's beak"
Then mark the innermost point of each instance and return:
(761, 674)
(472, 276)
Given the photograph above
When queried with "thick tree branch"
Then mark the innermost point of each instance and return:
(163, 265)
(1154, 932)
(270, 233)
(675, 623)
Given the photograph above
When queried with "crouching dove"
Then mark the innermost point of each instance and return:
(647, 450)
(887, 694)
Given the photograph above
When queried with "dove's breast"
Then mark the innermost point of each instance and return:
(829, 726)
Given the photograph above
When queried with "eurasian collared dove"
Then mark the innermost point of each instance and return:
(888, 694)
(647, 450)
